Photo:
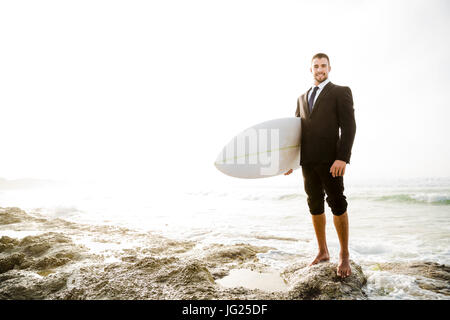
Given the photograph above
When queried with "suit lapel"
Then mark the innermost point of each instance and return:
(324, 92)
(305, 103)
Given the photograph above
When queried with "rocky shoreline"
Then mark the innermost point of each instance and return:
(67, 260)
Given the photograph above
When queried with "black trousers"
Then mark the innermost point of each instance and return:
(318, 180)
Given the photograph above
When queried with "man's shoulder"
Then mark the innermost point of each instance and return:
(337, 87)
(339, 90)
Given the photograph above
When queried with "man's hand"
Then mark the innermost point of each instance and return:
(289, 172)
(338, 168)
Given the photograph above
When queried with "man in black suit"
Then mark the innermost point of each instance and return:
(328, 131)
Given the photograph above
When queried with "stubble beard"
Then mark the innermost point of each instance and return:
(319, 79)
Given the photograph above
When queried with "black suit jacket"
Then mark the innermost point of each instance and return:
(321, 141)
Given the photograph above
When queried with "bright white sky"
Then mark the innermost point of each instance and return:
(155, 89)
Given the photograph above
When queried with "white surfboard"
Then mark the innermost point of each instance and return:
(264, 150)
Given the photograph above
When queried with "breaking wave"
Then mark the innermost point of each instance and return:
(429, 198)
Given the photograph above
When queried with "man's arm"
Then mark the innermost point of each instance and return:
(347, 123)
(346, 119)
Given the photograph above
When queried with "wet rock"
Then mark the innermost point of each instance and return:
(154, 264)
(220, 253)
(430, 270)
(53, 261)
(40, 243)
(320, 282)
(37, 249)
(430, 275)
(7, 243)
(191, 274)
(45, 251)
(12, 215)
(11, 261)
(191, 280)
(161, 245)
(21, 285)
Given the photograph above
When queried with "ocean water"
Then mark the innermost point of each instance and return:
(398, 229)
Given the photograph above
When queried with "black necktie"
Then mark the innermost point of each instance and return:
(311, 99)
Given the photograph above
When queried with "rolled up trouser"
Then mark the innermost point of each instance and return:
(318, 181)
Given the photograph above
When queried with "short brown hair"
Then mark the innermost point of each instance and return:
(320, 56)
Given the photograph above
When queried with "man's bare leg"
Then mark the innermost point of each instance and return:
(319, 222)
(341, 224)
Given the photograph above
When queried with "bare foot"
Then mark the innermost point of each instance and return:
(344, 269)
(321, 257)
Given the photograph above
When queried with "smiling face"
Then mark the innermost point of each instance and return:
(320, 68)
